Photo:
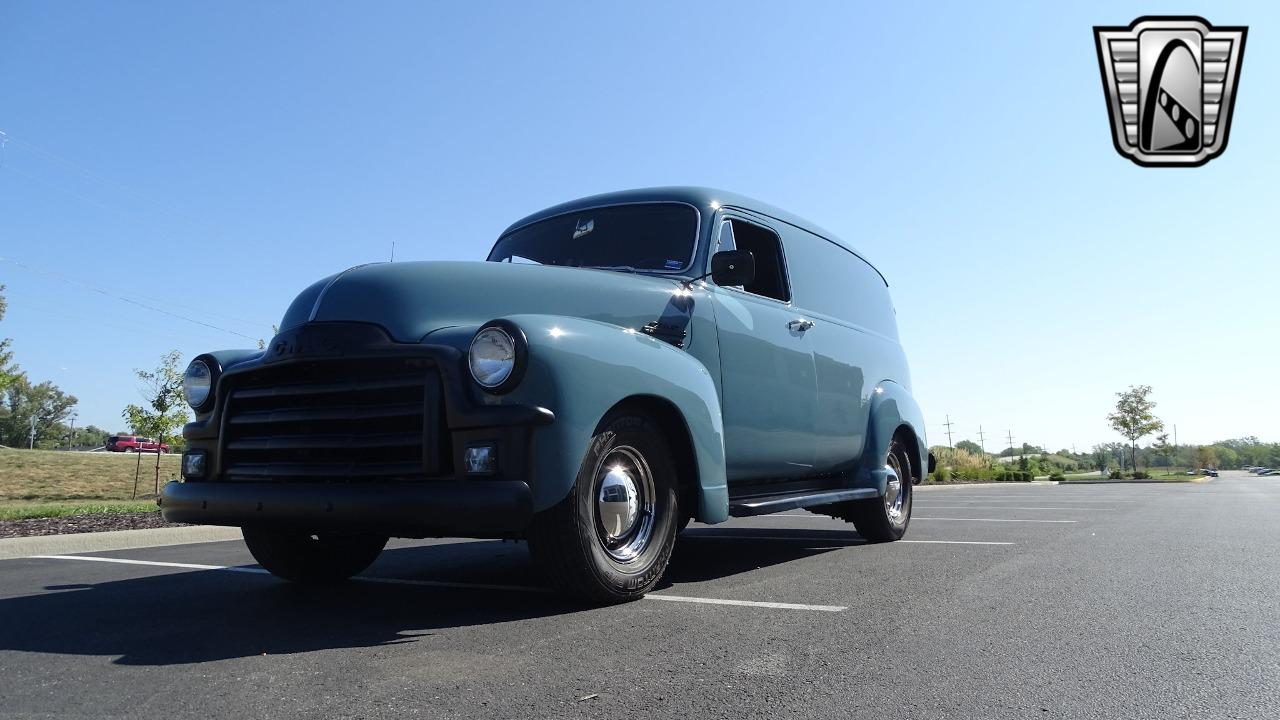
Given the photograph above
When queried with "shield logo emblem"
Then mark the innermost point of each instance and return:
(1170, 84)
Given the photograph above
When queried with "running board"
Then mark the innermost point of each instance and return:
(767, 504)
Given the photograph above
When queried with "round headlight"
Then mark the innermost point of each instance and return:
(197, 382)
(492, 357)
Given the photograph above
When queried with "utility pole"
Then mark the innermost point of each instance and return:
(1010, 433)
(393, 251)
(1175, 443)
(71, 436)
(982, 441)
(948, 424)
(33, 433)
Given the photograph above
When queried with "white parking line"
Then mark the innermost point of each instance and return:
(748, 603)
(1021, 498)
(917, 517)
(851, 541)
(152, 563)
(999, 507)
(955, 542)
(913, 517)
(446, 584)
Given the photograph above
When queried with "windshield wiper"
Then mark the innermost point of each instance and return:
(615, 268)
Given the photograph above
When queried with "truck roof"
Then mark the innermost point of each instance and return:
(704, 198)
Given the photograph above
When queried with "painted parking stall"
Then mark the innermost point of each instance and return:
(749, 609)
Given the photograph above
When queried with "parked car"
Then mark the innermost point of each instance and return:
(123, 443)
(151, 445)
(620, 365)
(135, 443)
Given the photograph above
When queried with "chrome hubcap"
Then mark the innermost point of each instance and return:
(624, 503)
(619, 503)
(897, 491)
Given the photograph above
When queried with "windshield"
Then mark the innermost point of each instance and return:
(655, 237)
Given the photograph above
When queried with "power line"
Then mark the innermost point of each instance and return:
(122, 298)
(38, 270)
(87, 173)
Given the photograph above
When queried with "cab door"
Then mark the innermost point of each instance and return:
(768, 390)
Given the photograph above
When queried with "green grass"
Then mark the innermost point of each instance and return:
(24, 511)
(52, 476)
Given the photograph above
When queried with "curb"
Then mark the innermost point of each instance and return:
(12, 548)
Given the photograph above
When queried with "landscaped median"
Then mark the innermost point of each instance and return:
(1097, 479)
(47, 492)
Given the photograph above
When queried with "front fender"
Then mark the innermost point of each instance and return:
(223, 360)
(579, 369)
(891, 408)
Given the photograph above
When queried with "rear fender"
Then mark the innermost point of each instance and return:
(892, 407)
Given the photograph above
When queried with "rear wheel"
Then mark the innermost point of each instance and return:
(313, 558)
(610, 539)
(885, 518)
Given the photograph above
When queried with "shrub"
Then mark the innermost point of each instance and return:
(1056, 476)
(1025, 476)
(1140, 475)
(958, 459)
(1115, 475)
(942, 474)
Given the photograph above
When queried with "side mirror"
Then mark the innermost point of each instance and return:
(733, 267)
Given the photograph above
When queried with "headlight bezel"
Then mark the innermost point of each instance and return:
(214, 369)
(520, 347)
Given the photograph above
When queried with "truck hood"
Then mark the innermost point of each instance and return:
(412, 299)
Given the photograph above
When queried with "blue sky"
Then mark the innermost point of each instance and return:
(211, 160)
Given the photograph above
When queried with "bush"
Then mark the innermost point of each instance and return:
(1025, 476)
(1115, 475)
(1056, 476)
(942, 474)
(1140, 475)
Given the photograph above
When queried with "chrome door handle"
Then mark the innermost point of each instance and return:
(800, 324)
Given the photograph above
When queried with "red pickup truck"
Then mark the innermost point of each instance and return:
(135, 443)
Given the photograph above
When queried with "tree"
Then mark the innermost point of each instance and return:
(970, 446)
(166, 410)
(9, 372)
(1164, 448)
(1134, 417)
(1206, 456)
(29, 407)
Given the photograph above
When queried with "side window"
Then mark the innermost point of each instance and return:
(766, 247)
(839, 284)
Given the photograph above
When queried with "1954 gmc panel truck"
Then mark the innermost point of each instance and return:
(621, 365)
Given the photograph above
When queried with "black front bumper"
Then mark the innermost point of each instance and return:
(469, 508)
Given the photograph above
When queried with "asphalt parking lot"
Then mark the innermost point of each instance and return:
(1010, 601)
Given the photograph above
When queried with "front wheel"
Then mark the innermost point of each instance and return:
(610, 539)
(313, 558)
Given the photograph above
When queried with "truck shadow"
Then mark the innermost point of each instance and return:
(198, 616)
